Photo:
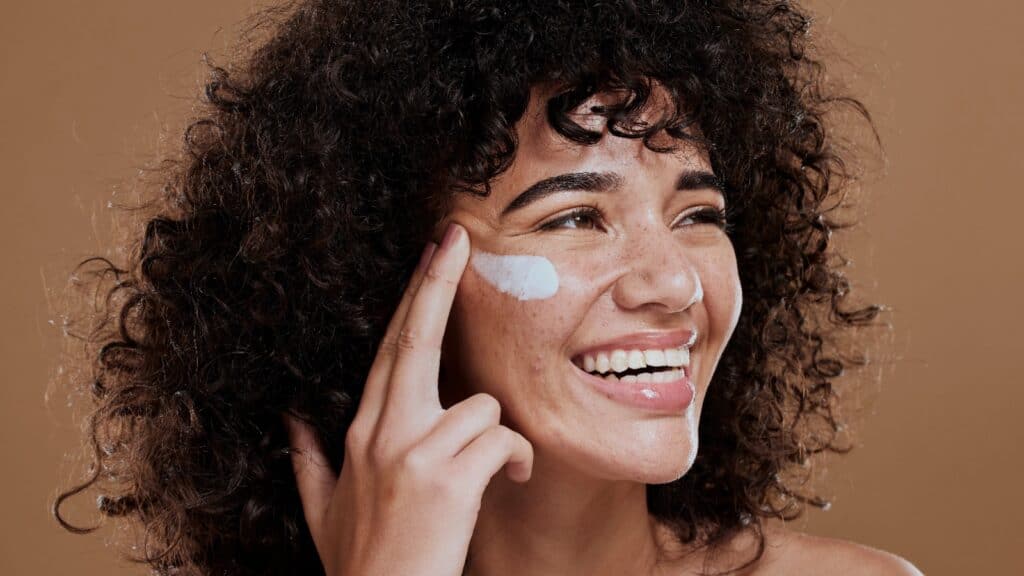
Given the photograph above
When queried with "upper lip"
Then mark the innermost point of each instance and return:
(644, 341)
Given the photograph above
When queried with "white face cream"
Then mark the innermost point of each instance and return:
(524, 277)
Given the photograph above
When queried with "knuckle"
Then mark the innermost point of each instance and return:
(489, 405)
(435, 275)
(355, 439)
(408, 339)
(387, 348)
(416, 464)
(505, 437)
(378, 453)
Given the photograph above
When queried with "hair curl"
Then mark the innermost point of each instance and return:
(293, 218)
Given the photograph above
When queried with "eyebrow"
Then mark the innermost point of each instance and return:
(604, 182)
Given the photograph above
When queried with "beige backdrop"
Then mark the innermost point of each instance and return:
(89, 87)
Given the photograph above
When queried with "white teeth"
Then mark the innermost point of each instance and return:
(674, 357)
(654, 357)
(647, 377)
(621, 360)
(589, 363)
(667, 376)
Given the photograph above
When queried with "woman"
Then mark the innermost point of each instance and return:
(461, 287)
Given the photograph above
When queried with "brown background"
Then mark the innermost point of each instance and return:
(93, 90)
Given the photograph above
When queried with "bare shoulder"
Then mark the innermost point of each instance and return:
(788, 551)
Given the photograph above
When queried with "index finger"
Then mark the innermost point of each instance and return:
(413, 382)
(374, 390)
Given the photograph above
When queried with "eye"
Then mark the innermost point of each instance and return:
(579, 218)
(711, 215)
(589, 218)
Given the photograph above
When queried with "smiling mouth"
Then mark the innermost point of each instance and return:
(657, 380)
(654, 365)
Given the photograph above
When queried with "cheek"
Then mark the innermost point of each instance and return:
(511, 320)
(495, 337)
(523, 277)
(723, 295)
(531, 296)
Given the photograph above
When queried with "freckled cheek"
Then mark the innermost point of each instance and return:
(486, 328)
(505, 330)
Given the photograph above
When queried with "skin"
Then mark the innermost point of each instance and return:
(584, 509)
(469, 381)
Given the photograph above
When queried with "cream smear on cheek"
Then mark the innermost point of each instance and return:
(522, 276)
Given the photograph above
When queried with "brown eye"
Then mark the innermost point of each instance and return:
(580, 218)
(711, 215)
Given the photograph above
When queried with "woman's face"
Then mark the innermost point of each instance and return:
(645, 268)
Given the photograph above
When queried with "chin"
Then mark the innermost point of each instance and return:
(664, 453)
(662, 471)
(665, 460)
(668, 468)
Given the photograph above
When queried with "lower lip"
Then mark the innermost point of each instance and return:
(674, 396)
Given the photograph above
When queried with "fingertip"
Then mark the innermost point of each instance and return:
(292, 425)
(456, 239)
(425, 257)
(519, 473)
(305, 450)
(286, 421)
(452, 235)
(301, 437)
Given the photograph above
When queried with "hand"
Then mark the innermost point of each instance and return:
(410, 488)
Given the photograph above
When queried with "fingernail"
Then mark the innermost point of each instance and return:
(450, 235)
(425, 258)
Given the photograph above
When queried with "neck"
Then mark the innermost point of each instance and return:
(563, 522)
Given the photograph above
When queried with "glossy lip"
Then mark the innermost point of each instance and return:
(666, 397)
(641, 341)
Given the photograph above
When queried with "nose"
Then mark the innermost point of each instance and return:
(659, 273)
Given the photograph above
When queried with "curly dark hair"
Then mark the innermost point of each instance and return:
(288, 227)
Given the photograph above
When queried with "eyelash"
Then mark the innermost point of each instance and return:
(716, 216)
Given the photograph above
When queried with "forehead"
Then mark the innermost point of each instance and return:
(542, 152)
